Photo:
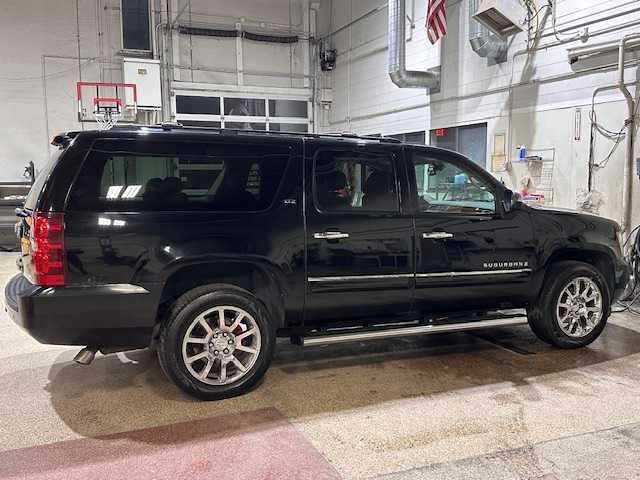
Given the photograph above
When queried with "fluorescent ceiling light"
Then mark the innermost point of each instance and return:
(114, 192)
(131, 191)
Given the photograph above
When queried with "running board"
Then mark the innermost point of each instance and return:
(409, 331)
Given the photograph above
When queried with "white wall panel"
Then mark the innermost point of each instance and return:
(35, 33)
(538, 111)
(31, 33)
(362, 53)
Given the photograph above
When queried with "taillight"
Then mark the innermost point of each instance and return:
(47, 249)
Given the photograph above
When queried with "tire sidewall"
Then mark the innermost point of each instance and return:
(562, 279)
(175, 330)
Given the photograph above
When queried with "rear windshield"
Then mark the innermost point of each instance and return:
(32, 199)
(133, 175)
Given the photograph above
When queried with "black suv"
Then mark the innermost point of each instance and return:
(208, 244)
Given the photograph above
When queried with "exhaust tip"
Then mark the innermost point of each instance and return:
(85, 356)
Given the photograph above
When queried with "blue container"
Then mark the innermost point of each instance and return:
(460, 179)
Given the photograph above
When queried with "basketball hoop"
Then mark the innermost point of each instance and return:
(109, 103)
(107, 111)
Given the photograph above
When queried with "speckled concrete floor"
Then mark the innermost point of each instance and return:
(498, 404)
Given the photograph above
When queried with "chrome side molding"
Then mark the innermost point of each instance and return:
(330, 235)
(437, 235)
(411, 331)
(351, 278)
(473, 273)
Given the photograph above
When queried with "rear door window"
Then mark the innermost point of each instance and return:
(355, 181)
(130, 175)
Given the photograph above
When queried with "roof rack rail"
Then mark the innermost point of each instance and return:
(237, 131)
(171, 125)
(379, 138)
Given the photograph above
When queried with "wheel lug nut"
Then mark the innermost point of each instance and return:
(216, 352)
(230, 342)
(226, 350)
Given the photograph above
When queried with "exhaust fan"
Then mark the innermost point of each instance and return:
(502, 17)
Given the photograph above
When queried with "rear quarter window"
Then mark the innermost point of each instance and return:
(32, 198)
(132, 175)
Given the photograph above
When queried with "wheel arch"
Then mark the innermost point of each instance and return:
(599, 258)
(258, 278)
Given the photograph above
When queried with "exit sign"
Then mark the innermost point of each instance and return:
(440, 132)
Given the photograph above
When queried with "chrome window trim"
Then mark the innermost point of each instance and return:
(349, 278)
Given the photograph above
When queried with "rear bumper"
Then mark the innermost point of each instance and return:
(101, 316)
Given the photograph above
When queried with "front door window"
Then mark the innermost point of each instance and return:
(445, 187)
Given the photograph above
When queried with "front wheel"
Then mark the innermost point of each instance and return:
(217, 342)
(573, 307)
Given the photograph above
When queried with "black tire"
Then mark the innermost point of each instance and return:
(542, 315)
(181, 315)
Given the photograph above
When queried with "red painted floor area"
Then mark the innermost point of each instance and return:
(255, 445)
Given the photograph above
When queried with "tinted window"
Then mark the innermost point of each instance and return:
(412, 137)
(34, 192)
(254, 107)
(135, 25)
(445, 187)
(469, 140)
(198, 105)
(354, 181)
(287, 108)
(170, 176)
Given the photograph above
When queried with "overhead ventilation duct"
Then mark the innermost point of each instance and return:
(219, 32)
(398, 72)
(502, 17)
(601, 54)
(483, 42)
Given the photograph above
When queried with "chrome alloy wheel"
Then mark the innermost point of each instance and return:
(221, 345)
(579, 308)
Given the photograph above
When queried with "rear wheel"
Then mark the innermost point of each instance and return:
(217, 342)
(573, 307)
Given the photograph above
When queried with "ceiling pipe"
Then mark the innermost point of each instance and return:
(631, 127)
(398, 72)
(483, 42)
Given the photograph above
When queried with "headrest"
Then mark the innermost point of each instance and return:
(378, 182)
(334, 181)
(171, 184)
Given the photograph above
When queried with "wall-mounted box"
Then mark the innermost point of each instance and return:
(145, 73)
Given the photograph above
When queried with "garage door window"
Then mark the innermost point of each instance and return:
(244, 112)
(158, 176)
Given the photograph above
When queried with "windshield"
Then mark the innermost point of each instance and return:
(34, 193)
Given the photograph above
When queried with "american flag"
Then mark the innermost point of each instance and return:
(436, 20)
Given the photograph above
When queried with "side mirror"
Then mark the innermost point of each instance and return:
(511, 200)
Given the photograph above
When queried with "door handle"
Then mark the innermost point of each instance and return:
(437, 235)
(330, 235)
